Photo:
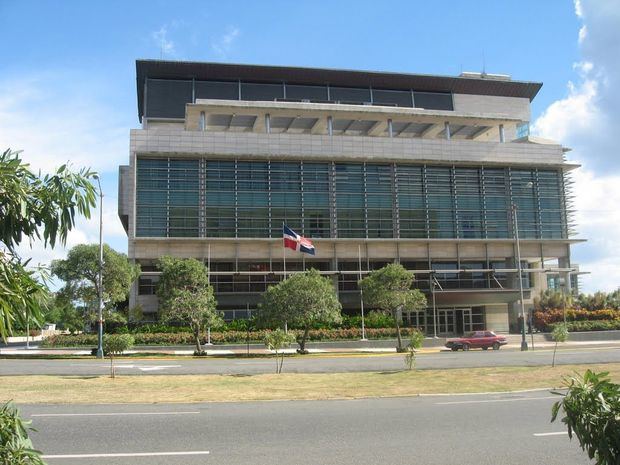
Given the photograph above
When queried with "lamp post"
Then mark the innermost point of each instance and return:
(432, 283)
(520, 276)
(359, 258)
(100, 283)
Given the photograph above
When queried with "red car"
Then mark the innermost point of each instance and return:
(477, 339)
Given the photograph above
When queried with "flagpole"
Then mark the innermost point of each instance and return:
(284, 268)
(359, 257)
(209, 281)
(283, 251)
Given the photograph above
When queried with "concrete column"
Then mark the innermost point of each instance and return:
(502, 134)
(330, 125)
(390, 130)
(268, 123)
(446, 126)
(202, 124)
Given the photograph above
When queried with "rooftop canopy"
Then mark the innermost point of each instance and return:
(465, 84)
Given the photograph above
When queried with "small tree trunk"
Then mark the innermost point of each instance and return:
(281, 362)
(554, 349)
(111, 365)
(302, 341)
(399, 348)
(197, 339)
(277, 363)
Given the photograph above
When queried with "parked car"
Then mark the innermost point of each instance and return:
(477, 339)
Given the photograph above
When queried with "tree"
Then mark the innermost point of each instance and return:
(15, 445)
(276, 341)
(415, 342)
(389, 290)
(116, 344)
(80, 272)
(34, 207)
(64, 314)
(550, 299)
(559, 334)
(592, 413)
(185, 295)
(300, 301)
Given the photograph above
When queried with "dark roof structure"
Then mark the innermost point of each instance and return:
(180, 70)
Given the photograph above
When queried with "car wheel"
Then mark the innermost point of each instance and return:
(465, 347)
(485, 347)
(496, 346)
(454, 349)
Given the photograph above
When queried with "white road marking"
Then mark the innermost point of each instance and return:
(131, 366)
(556, 433)
(494, 400)
(134, 454)
(110, 414)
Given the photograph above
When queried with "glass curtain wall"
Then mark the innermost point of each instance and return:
(253, 198)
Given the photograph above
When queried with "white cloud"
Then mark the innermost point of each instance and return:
(224, 44)
(587, 120)
(55, 118)
(165, 45)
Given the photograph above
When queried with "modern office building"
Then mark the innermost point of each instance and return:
(373, 167)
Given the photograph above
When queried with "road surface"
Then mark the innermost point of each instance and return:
(309, 364)
(497, 429)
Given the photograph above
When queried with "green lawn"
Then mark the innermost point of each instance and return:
(287, 386)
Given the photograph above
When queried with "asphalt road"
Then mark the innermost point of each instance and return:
(474, 429)
(308, 364)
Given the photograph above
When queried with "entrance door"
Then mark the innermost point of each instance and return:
(468, 325)
(445, 321)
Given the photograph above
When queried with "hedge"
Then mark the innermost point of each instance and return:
(543, 320)
(228, 337)
(600, 325)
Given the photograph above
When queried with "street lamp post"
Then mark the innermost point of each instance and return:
(432, 283)
(359, 258)
(520, 276)
(100, 283)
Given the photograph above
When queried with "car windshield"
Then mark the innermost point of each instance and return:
(470, 334)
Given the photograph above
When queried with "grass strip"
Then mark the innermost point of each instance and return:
(287, 386)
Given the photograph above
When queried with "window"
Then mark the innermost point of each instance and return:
(396, 98)
(217, 90)
(433, 101)
(268, 92)
(349, 94)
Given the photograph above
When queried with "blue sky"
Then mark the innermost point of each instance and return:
(67, 86)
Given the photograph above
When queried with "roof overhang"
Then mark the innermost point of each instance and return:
(162, 69)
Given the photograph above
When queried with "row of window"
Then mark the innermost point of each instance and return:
(216, 198)
(349, 275)
(167, 98)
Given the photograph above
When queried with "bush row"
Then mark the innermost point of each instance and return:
(80, 340)
(600, 325)
(373, 319)
(544, 319)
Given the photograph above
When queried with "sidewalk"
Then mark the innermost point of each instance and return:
(382, 346)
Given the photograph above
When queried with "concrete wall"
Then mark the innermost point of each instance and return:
(510, 107)
(347, 148)
(496, 318)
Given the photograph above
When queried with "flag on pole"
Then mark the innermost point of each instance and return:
(294, 241)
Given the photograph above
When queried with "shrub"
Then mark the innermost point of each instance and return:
(276, 341)
(227, 337)
(574, 326)
(116, 344)
(15, 446)
(592, 413)
(415, 342)
(544, 319)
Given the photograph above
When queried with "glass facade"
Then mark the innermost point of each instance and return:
(166, 98)
(239, 198)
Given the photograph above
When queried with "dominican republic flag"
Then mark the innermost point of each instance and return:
(294, 241)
